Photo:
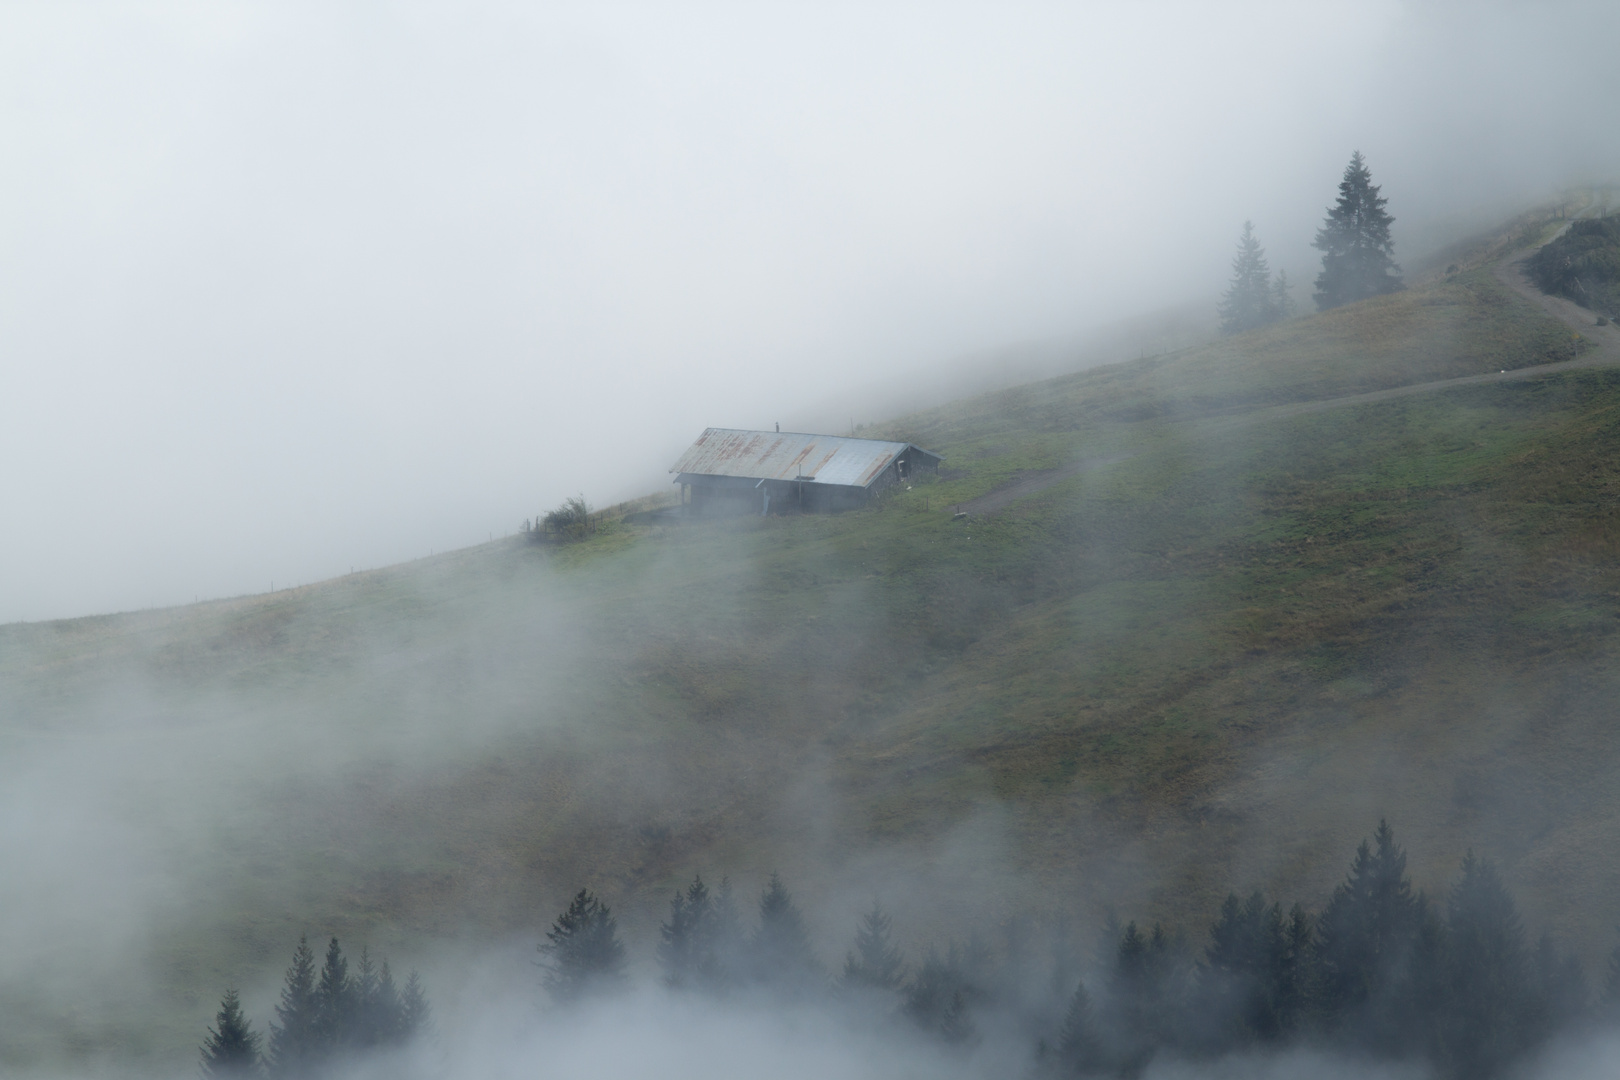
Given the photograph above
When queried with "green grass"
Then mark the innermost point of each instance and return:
(1211, 664)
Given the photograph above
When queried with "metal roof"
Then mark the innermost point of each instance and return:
(788, 455)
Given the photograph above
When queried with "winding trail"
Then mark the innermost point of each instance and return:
(1509, 271)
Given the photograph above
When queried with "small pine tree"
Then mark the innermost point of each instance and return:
(415, 1014)
(1139, 998)
(1282, 297)
(956, 1026)
(874, 963)
(1365, 942)
(1078, 1048)
(1357, 252)
(780, 949)
(1489, 1019)
(1240, 980)
(335, 1001)
(728, 943)
(231, 1051)
(582, 953)
(1249, 301)
(685, 950)
(294, 1037)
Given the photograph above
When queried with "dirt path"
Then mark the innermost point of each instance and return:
(1510, 271)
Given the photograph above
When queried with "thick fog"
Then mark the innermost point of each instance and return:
(291, 288)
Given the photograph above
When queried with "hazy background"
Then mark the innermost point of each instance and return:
(289, 288)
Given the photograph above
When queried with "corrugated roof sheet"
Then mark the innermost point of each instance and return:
(788, 455)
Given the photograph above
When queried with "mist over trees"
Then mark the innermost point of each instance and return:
(1253, 298)
(324, 1019)
(1358, 256)
(1381, 973)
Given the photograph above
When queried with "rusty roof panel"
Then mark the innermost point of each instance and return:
(788, 455)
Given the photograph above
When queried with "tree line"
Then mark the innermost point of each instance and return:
(324, 1018)
(1381, 971)
(1358, 259)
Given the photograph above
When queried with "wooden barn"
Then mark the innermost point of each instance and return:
(730, 472)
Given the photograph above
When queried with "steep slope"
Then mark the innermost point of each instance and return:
(1212, 658)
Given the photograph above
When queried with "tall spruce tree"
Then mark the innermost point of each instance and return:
(686, 948)
(231, 1050)
(1142, 994)
(1079, 1050)
(874, 963)
(729, 942)
(582, 953)
(295, 1034)
(780, 952)
(1250, 300)
(1357, 252)
(335, 1002)
(1491, 1015)
(1241, 978)
(1366, 941)
(415, 1014)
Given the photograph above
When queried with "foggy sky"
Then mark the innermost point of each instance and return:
(289, 288)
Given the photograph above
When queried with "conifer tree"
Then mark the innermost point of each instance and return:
(686, 950)
(388, 1010)
(335, 1001)
(415, 1014)
(1250, 300)
(728, 945)
(1282, 297)
(956, 1027)
(1241, 979)
(1365, 945)
(376, 1005)
(1140, 998)
(780, 949)
(582, 953)
(1357, 252)
(938, 982)
(1078, 1048)
(231, 1051)
(874, 963)
(294, 1037)
(1489, 1019)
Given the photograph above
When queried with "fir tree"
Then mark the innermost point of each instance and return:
(728, 943)
(582, 951)
(1250, 300)
(1282, 297)
(874, 963)
(1140, 998)
(335, 1001)
(1357, 252)
(686, 949)
(294, 1037)
(956, 1027)
(780, 950)
(231, 1051)
(415, 1014)
(1243, 972)
(1489, 1019)
(1078, 1048)
(376, 1005)
(1365, 945)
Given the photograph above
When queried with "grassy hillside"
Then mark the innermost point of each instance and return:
(1212, 661)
